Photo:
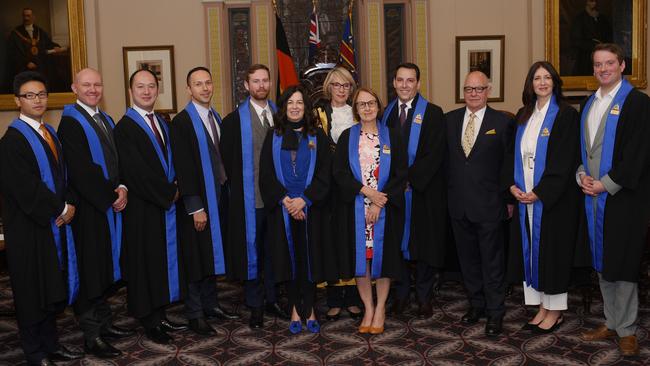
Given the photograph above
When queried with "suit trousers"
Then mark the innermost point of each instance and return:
(301, 291)
(201, 295)
(620, 305)
(424, 278)
(480, 247)
(96, 316)
(256, 289)
(39, 339)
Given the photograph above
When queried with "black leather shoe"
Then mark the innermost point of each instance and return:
(63, 354)
(158, 335)
(115, 332)
(398, 307)
(275, 309)
(355, 315)
(46, 362)
(201, 327)
(473, 315)
(425, 310)
(437, 282)
(169, 326)
(333, 317)
(220, 313)
(493, 326)
(257, 318)
(101, 349)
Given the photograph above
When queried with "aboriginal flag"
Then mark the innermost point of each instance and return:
(287, 75)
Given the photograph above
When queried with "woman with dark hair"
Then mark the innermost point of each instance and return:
(370, 172)
(335, 116)
(544, 225)
(294, 183)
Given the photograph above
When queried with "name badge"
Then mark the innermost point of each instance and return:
(545, 132)
(418, 119)
(529, 160)
(616, 110)
(386, 150)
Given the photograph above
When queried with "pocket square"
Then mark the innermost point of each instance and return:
(491, 132)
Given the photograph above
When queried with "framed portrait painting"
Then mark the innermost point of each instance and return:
(480, 53)
(46, 36)
(160, 60)
(575, 27)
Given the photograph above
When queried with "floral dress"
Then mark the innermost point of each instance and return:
(369, 161)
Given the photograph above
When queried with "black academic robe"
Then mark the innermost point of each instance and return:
(37, 280)
(144, 245)
(196, 247)
(428, 237)
(558, 191)
(348, 188)
(95, 195)
(628, 211)
(317, 192)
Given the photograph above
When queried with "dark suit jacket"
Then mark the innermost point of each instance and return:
(478, 184)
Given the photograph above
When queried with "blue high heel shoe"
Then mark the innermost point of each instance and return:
(295, 327)
(313, 326)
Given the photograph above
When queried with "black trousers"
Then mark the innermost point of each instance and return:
(480, 247)
(255, 290)
(39, 339)
(424, 278)
(93, 315)
(342, 296)
(201, 295)
(154, 318)
(301, 291)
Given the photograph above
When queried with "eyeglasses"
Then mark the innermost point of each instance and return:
(368, 104)
(32, 96)
(345, 86)
(477, 89)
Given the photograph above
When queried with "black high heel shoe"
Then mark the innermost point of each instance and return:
(529, 326)
(334, 317)
(558, 322)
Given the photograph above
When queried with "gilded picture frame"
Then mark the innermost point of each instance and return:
(625, 21)
(78, 58)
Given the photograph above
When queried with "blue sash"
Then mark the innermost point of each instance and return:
(359, 212)
(32, 138)
(170, 215)
(595, 225)
(248, 181)
(114, 219)
(277, 164)
(414, 140)
(210, 191)
(531, 265)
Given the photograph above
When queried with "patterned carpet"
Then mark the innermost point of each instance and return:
(440, 340)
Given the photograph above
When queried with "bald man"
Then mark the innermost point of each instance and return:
(479, 143)
(86, 135)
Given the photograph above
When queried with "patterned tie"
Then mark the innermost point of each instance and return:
(265, 120)
(156, 133)
(402, 115)
(100, 123)
(221, 173)
(50, 141)
(468, 136)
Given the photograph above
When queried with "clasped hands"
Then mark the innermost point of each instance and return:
(522, 197)
(378, 200)
(591, 186)
(67, 217)
(295, 207)
(120, 202)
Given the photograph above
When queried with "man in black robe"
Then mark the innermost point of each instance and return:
(36, 211)
(615, 176)
(195, 144)
(423, 139)
(480, 142)
(247, 253)
(149, 258)
(95, 181)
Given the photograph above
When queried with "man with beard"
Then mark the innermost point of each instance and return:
(86, 135)
(201, 178)
(247, 253)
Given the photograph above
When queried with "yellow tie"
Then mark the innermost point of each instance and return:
(468, 136)
(50, 141)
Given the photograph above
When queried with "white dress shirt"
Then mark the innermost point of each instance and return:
(598, 108)
(477, 122)
(203, 113)
(144, 113)
(342, 119)
(267, 108)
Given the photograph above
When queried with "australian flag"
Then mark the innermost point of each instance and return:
(346, 52)
(314, 35)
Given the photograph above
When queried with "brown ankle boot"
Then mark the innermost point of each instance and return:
(598, 334)
(629, 346)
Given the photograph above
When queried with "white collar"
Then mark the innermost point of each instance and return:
(31, 122)
(88, 108)
(612, 93)
(408, 103)
(544, 108)
(141, 111)
(259, 109)
(479, 114)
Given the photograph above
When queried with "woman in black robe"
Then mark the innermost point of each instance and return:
(370, 171)
(294, 183)
(544, 225)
